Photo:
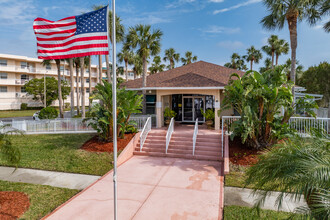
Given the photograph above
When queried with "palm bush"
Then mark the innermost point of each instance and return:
(101, 114)
(7, 150)
(299, 166)
(264, 101)
(48, 113)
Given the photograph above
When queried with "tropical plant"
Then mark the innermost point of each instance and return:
(137, 66)
(48, 113)
(189, 58)
(168, 113)
(299, 68)
(126, 56)
(172, 56)
(101, 114)
(35, 87)
(147, 43)
(282, 48)
(292, 11)
(264, 102)
(8, 151)
(208, 114)
(156, 65)
(300, 166)
(236, 62)
(325, 10)
(253, 56)
(70, 60)
(271, 47)
(268, 65)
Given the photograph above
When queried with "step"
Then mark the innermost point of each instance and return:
(150, 149)
(153, 145)
(185, 156)
(208, 148)
(203, 138)
(209, 144)
(207, 153)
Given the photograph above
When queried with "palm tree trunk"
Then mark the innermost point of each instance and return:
(144, 84)
(126, 69)
(60, 99)
(251, 64)
(172, 64)
(82, 68)
(90, 82)
(108, 68)
(292, 22)
(273, 59)
(77, 88)
(277, 59)
(71, 86)
(100, 69)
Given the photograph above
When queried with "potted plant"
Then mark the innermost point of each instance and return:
(209, 116)
(168, 114)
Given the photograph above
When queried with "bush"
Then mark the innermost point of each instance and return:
(66, 105)
(48, 113)
(168, 113)
(24, 106)
(208, 114)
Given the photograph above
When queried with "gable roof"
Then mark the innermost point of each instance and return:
(198, 74)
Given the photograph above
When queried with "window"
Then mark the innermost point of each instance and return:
(48, 67)
(62, 68)
(24, 77)
(87, 90)
(87, 80)
(23, 89)
(3, 62)
(131, 74)
(3, 88)
(3, 75)
(67, 71)
(24, 65)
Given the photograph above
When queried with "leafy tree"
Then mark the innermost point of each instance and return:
(35, 87)
(147, 43)
(282, 48)
(48, 113)
(273, 44)
(137, 68)
(316, 79)
(292, 11)
(126, 56)
(260, 98)
(299, 68)
(325, 10)
(157, 65)
(253, 56)
(236, 62)
(189, 58)
(172, 56)
(300, 166)
(268, 65)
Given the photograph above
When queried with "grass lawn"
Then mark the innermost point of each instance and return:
(43, 199)
(17, 113)
(60, 152)
(236, 176)
(239, 212)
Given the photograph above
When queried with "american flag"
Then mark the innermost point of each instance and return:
(74, 36)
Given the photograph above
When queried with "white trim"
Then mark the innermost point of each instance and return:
(176, 88)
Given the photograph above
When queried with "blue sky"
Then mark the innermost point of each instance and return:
(211, 29)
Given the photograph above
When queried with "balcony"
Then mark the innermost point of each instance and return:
(7, 82)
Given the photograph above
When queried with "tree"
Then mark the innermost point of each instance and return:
(157, 65)
(260, 98)
(147, 43)
(300, 166)
(253, 56)
(273, 43)
(172, 56)
(137, 68)
(71, 86)
(316, 79)
(189, 58)
(126, 56)
(35, 87)
(268, 65)
(282, 48)
(299, 68)
(8, 151)
(236, 62)
(325, 10)
(291, 11)
(77, 66)
(82, 70)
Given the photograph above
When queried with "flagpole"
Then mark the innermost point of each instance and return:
(114, 105)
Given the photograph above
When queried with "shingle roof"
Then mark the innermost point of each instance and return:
(198, 74)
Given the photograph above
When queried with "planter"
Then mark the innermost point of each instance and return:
(167, 122)
(209, 124)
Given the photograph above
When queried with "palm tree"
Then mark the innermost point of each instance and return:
(71, 86)
(236, 62)
(126, 56)
(282, 48)
(77, 66)
(189, 58)
(172, 56)
(156, 66)
(325, 10)
(268, 65)
(299, 68)
(137, 68)
(291, 11)
(271, 47)
(59, 80)
(148, 43)
(253, 56)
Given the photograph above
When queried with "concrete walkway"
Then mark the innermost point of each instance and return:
(151, 188)
(51, 178)
(244, 197)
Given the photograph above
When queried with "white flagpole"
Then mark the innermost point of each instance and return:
(114, 105)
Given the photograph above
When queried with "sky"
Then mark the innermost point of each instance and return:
(211, 29)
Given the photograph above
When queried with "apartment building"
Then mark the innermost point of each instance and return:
(15, 71)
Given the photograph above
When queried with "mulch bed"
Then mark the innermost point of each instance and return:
(13, 204)
(241, 154)
(95, 145)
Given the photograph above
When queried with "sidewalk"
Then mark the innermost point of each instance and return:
(152, 188)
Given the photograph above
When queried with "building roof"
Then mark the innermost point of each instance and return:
(198, 74)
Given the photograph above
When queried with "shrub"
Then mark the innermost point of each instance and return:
(48, 113)
(168, 113)
(208, 114)
(24, 106)
(66, 105)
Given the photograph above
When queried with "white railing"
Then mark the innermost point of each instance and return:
(144, 132)
(140, 120)
(169, 133)
(226, 123)
(305, 125)
(195, 135)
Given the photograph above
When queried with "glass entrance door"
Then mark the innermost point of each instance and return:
(198, 105)
(187, 109)
(192, 109)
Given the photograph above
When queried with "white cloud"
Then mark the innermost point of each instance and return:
(248, 2)
(230, 44)
(179, 3)
(216, 1)
(214, 29)
(46, 9)
(150, 19)
(12, 12)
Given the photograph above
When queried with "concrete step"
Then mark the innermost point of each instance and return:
(185, 156)
(151, 149)
(153, 145)
(203, 138)
(209, 144)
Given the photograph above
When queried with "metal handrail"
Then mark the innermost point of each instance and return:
(144, 132)
(169, 133)
(195, 135)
